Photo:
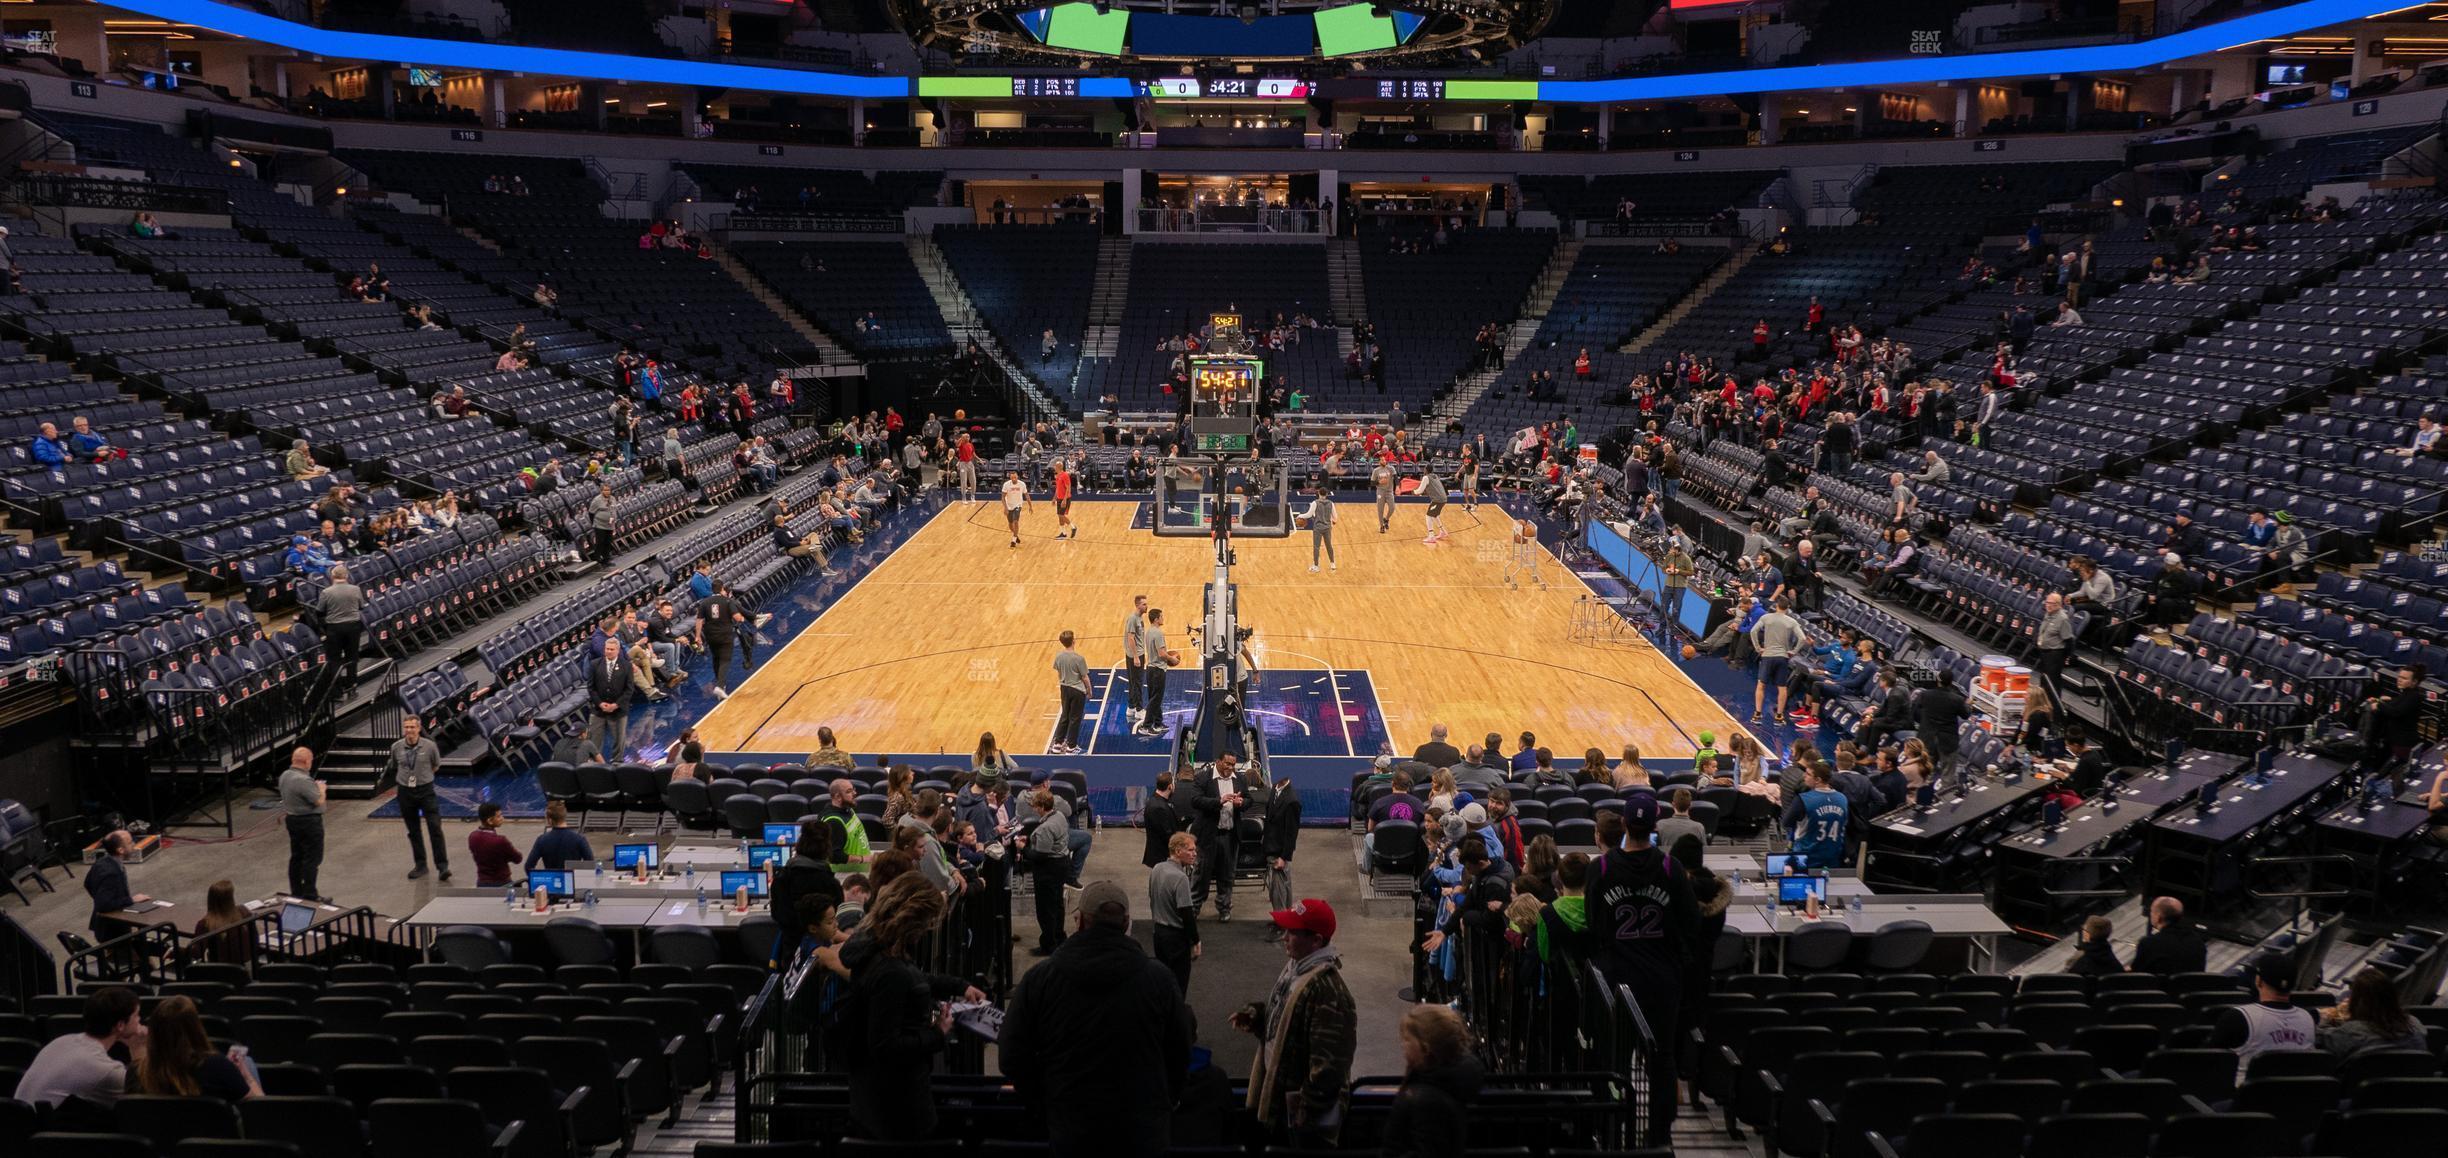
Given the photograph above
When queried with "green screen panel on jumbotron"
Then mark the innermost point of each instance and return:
(1081, 28)
(1350, 28)
(964, 86)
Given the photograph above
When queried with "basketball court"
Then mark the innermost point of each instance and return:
(955, 632)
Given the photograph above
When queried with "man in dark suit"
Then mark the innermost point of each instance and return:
(608, 691)
(1219, 801)
(1938, 711)
(1162, 819)
(1437, 753)
(107, 883)
(2174, 945)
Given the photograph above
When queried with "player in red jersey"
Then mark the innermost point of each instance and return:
(1062, 501)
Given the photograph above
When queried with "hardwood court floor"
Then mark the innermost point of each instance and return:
(954, 633)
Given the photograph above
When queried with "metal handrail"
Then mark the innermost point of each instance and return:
(59, 190)
(2116, 862)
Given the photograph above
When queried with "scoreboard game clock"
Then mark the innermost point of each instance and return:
(1223, 381)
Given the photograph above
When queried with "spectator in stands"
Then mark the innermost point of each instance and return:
(761, 463)
(2038, 738)
(2173, 944)
(2394, 725)
(2094, 956)
(2425, 443)
(1441, 1076)
(2288, 553)
(492, 852)
(808, 873)
(1803, 584)
(1679, 823)
(49, 450)
(1048, 856)
(2272, 1023)
(895, 1014)
(602, 519)
(828, 753)
(1775, 637)
(1934, 470)
(2260, 535)
(85, 443)
(220, 934)
(1938, 714)
(560, 845)
(306, 557)
(2095, 590)
(643, 675)
(1097, 1038)
(840, 813)
(1634, 886)
(1900, 492)
(340, 612)
(1437, 752)
(1900, 560)
(2173, 592)
(2053, 639)
(671, 637)
(2371, 1018)
(1306, 1033)
(91, 1066)
(179, 1061)
(300, 463)
(107, 883)
(1817, 820)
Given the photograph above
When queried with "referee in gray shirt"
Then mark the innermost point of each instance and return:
(1176, 913)
(1152, 638)
(415, 760)
(1071, 676)
(301, 797)
(1134, 655)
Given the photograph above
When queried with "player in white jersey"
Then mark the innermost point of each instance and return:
(1015, 497)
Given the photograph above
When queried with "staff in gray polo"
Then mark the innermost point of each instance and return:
(415, 761)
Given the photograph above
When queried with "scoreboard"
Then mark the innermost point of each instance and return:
(1186, 88)
(1224, 379)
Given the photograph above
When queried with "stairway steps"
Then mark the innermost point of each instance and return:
(1471, 388)
(829, 351)
(1691, 301)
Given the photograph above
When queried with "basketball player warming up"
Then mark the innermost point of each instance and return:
(1015, 497)
(1062, 502)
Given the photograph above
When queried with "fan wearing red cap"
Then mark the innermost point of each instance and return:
(1307, 1029)
(1312, 916)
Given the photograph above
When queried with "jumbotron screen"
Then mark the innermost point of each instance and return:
(1338, 31)
(1349, 29)
(1081, 28)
